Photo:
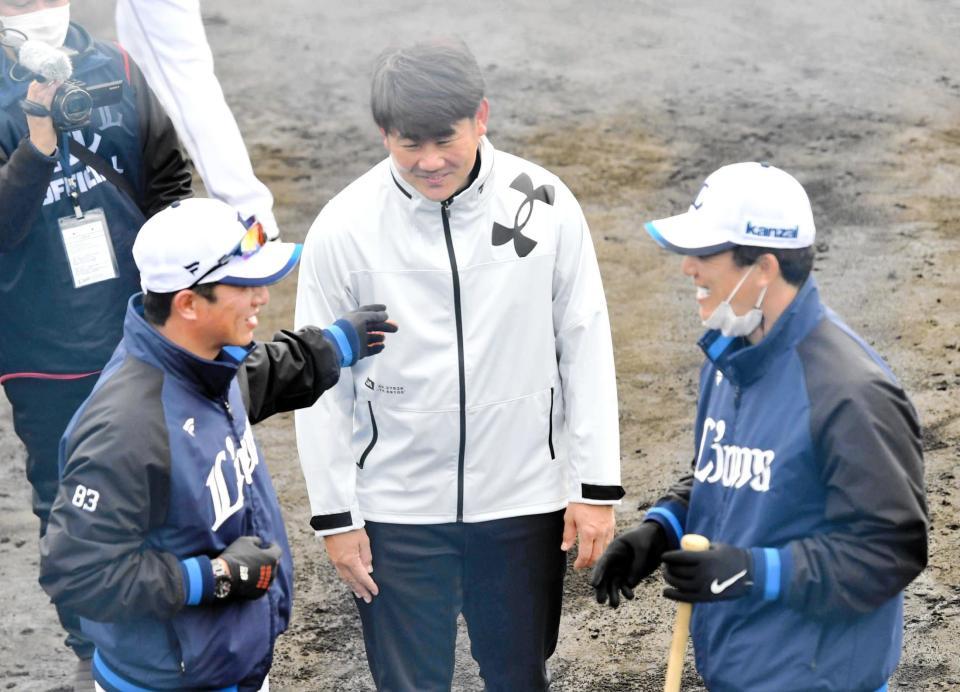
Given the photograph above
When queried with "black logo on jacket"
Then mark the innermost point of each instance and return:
(521, 243)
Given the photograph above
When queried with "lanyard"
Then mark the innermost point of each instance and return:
(68, 179)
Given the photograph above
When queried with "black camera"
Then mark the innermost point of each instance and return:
(73, 103)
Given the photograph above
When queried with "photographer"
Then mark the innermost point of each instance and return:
(64, 280)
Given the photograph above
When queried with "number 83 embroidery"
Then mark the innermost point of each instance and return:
(86, 498)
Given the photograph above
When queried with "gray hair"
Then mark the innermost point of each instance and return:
(422, 91)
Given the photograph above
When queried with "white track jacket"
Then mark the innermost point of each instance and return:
(497, 396)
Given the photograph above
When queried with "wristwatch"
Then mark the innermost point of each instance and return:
(221, 579)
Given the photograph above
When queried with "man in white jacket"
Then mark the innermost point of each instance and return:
(453, 473)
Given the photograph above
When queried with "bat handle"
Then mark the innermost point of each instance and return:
(681, 626)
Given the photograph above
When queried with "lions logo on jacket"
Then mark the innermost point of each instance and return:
(732, 466)
(244, 459)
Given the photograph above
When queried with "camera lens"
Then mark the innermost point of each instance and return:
(77, 105)
(72, 106)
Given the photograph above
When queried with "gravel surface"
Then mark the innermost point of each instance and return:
(632, 103)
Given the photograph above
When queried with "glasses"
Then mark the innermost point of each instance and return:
(249, 245)
(254, 239)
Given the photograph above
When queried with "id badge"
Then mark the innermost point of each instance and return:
(89, 249)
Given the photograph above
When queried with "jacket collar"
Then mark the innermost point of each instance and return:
(14, 80)
(468, 198)
(744, 363)
(143, 341)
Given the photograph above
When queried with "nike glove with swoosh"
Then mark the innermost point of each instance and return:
(629, 558)
(721, 573)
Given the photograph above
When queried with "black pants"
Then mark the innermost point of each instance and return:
(41, 411)
(505, 576)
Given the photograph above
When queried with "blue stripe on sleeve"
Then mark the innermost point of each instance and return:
(786, 570)
(352, 336)
(671, 520)
(346, 353)
(771, 589)
(193, 582)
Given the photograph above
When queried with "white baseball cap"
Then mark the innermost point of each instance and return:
(201, 240)
(741, 204)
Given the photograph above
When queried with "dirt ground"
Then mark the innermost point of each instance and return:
(633, 103)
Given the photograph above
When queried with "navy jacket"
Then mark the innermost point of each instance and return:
(808, 453)
(49, 326)
(160, 473)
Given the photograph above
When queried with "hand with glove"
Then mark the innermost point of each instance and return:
(629, 558)
(245, 569)
(360, 333)
(721, 573)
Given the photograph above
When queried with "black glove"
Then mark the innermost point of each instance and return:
(362, 332)
(628, 559)
(721, 573)
(251, 568)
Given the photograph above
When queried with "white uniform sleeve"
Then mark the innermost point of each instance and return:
(167, 41)
(324, 430)
(585, 357)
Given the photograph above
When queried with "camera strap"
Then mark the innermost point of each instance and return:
(101, 166)
(68, 174)
(33, 108)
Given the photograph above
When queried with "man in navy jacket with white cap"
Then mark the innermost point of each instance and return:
(807, 474)
(166, 535)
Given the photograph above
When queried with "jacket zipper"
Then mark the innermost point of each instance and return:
(250, 502)
(237, 437)
(445, 215)
(728, 493)
(550, 433)
(373, 439)
(251, 509)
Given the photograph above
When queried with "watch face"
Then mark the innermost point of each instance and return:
(221, 587)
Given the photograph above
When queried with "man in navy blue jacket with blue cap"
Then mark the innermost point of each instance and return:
(807, 476)
(166, 536)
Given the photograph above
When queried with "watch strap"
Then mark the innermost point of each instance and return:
(221, 579)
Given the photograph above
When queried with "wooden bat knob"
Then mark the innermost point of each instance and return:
(694, 542)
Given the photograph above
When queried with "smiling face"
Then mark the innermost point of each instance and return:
(715, 277)
(439, 168)
(230, 319)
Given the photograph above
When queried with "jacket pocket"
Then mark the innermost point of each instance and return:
(222, 644)
(373, 437)
(553, 454)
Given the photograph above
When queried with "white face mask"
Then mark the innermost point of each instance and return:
(730, 324)
(49, 25)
